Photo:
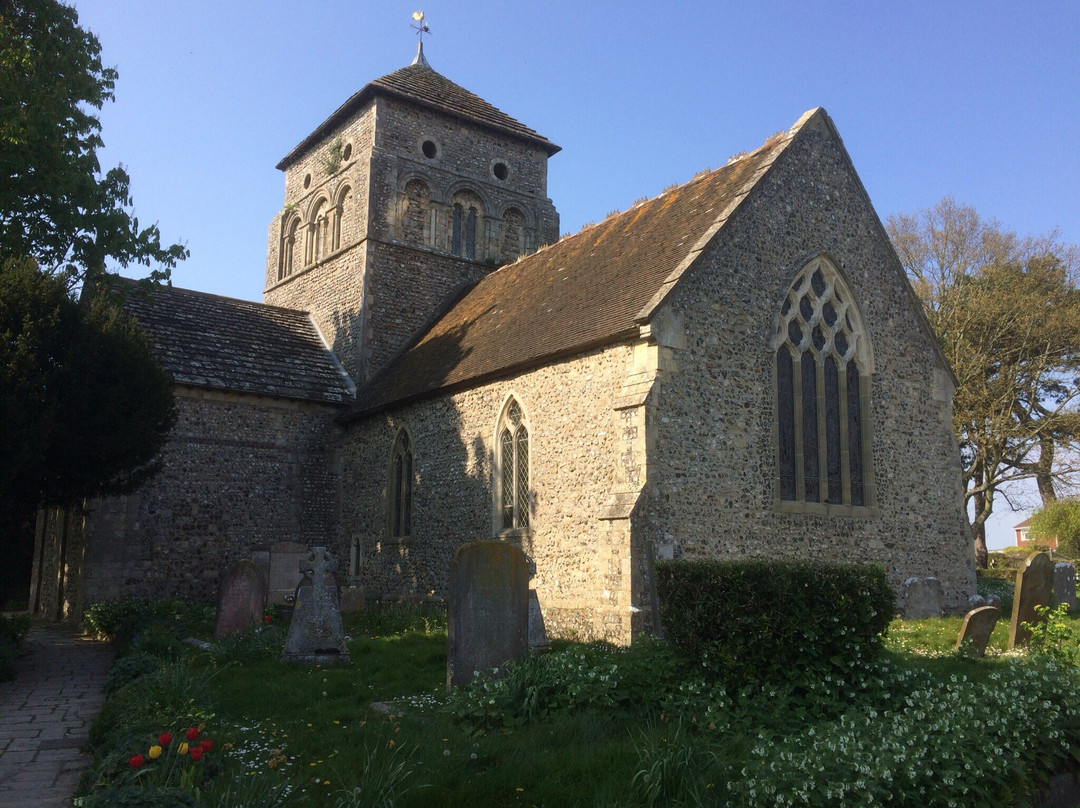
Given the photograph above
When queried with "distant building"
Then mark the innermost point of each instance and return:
(1022, 539)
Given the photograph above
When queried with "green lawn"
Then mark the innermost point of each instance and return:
(378, 732)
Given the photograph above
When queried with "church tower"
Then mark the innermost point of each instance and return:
(412, 190)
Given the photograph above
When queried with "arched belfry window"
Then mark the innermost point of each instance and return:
(512, 469)
(823, 366)
(465, 219)
(290, 235)
(400, 486)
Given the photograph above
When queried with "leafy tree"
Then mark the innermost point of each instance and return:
(1058, 519)
(1007, 312)
(55, 206)
(84, 405)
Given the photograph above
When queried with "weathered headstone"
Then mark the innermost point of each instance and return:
(975, 633)
(489, 609)
(1065, 584)
(261, 557)
(538, 639)
(921, 598)
(316, 635)
(285, 557)
(241, 599)
(1034, 587)
(352, 599)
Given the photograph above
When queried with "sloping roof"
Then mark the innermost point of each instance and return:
(222, 343)
(587, 290)
(420, 84)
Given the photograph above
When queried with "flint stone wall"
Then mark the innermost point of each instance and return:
(239, 472)
(713, 473)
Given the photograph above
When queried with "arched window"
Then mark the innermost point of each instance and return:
(288, 247)
(400, 486)
(316, 241)
(465, 219)
(823, 366)
(339, 216)
(414, 216)
(512, 469)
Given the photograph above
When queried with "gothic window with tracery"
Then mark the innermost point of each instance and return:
(822, 392)
(400, 486)
(512, 469)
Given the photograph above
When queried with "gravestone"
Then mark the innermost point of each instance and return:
(489, 609)
(1065, 584)
(921, 598)
(285, 557)
(975, 633)
(1034, 587)
(241, 599)
(538, 639)
(316, 636)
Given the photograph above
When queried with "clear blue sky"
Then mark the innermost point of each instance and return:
(978, 100)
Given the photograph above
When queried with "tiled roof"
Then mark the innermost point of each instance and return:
(226, 344)
(587, 290)
(421, 85)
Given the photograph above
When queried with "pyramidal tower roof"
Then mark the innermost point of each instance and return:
(420, 84)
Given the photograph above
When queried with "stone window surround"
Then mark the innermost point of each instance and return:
(497, 470)
(401, 449)
(869, 509)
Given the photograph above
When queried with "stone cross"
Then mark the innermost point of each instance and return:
(1034, 587)
(316, 635)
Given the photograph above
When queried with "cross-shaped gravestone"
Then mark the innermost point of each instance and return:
(316, 635)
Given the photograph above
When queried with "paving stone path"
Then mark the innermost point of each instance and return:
(45, 715)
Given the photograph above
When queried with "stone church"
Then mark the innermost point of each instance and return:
(735, 368)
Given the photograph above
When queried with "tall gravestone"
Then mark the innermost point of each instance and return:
(241, 599)
(922, 598)
(975, 633)
(1065, 584)
(316, 635)
(489, 609)
(285, 575)
(1034, 587)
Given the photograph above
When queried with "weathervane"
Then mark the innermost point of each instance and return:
(420, 26)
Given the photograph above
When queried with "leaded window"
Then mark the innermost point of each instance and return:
(822, 392)
(512, 476)
(400, 486)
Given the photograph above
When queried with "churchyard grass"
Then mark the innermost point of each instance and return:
(592, 725)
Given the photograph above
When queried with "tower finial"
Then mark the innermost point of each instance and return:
(421, 28)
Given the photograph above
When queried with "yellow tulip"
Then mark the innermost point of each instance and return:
(182, 750)
(155, 752)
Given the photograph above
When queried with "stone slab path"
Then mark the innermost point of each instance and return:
(45, 715)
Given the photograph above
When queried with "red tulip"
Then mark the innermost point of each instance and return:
(165, 739)
(196, 753)
(207, 745)
(192, 733)
(136, 761)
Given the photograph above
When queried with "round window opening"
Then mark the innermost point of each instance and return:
(347, 153)
(501, 171)
(307, 180)
(429, 149)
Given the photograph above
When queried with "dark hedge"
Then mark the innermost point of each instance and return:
(753, 621)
